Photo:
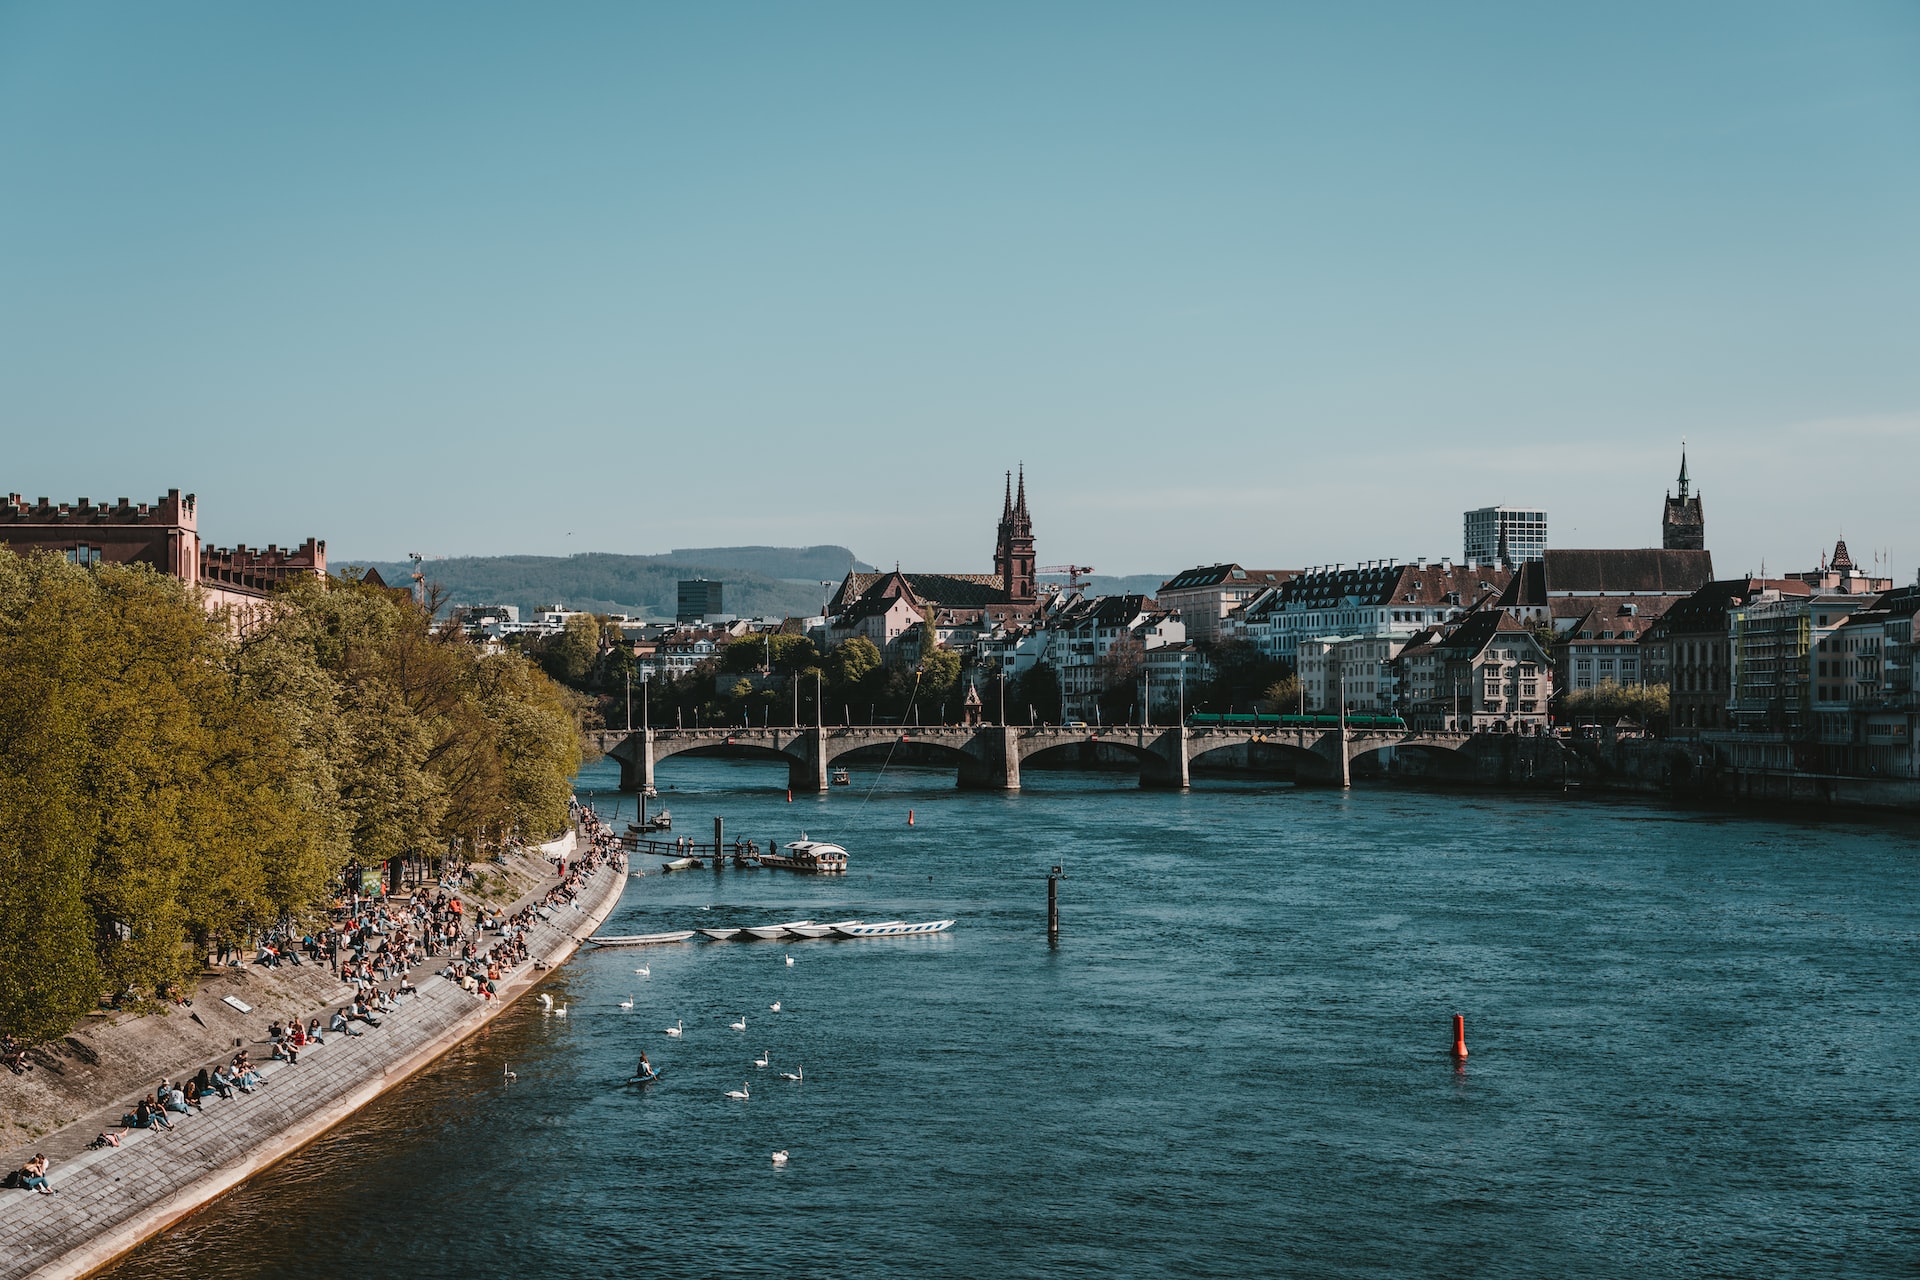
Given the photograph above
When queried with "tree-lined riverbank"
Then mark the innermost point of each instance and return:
(177, 783)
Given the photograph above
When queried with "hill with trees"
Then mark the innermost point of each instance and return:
(760, 581)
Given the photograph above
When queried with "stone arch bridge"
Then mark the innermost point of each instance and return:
(988, 757)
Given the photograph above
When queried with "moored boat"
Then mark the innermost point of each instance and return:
(718, 935)
(893, 929)
(841, 778)
(816, 856)
(681, 864)
(820, 930)
(641, 939)
(768, 932)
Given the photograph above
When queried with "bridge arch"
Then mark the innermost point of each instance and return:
(1156, 770)
(1270, 757)
(1415, 759)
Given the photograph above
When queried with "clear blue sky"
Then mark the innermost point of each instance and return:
(1285, 284)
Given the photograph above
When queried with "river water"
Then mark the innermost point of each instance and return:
(1694, 1041)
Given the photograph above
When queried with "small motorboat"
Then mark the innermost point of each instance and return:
(815, 856)
(768, 932)
(641, 939)
(682, 864)
(820, 930)
(840, 778)
(893, 929)
(718, 935)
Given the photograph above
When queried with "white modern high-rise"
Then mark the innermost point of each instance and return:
(1525, 530)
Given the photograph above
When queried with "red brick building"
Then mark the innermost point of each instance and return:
(165, 534)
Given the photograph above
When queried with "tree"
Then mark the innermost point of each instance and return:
(170, 781)
(1282, 696)
(572, 655)
(1039, 689)
(1607, 702)
(852, 664)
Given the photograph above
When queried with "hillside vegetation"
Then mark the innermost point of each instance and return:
(769, 581)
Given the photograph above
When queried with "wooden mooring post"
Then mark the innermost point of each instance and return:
(1054, 877)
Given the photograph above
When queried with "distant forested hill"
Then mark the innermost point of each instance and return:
(756, 579)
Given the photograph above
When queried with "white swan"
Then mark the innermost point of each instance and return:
(796, 1074)
(779, 1159)
(740, 1093)
(740, 1025)
(627, 1003)
(546, 1001)
(789, 961)
(675, 1029)
(775, 1006)
(506, 1073)
(765, 1056)
(561, 1012)
(645, 971)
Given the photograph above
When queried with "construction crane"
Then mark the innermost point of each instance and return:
(1073, 572)
(419, 577)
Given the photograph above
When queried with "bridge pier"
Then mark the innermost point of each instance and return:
(1169, 753)
(810, 774)
(993, 761)
(635, 755)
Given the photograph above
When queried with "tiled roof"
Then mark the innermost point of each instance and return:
(1611, 571)
(953, 590)
(1213, 575)
(1389, 584)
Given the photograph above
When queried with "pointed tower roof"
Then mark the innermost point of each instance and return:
(1841, 560)
(1020, 503)
(1007, 509)
(1683, 468)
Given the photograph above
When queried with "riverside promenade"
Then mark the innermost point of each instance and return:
(110, 1200)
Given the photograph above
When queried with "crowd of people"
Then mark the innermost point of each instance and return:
(373, 943)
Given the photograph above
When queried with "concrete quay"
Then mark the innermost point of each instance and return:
(110, 1200)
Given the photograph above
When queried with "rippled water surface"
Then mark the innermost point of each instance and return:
(1693, 1053)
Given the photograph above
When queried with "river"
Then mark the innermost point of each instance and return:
(1693, 1041)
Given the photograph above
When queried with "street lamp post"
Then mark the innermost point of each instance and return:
(1183, 688)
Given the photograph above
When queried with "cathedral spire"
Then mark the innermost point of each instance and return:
(1007, 509)
(1020, 503)
(1683, 468)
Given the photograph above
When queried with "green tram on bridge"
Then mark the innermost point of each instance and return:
(1254, 720)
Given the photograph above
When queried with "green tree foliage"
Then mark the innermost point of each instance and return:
(1607, 702)
(170, 781)
(852, 664)
(1241, 676)
(1038, 689)
(571, 657)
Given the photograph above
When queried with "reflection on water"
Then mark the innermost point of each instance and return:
(1692, 1053)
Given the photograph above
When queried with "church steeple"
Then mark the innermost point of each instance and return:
(1013, 557)
(1683, 525)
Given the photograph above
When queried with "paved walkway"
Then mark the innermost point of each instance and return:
(113, 1198)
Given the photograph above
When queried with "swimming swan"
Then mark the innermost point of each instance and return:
(779, 1159)
(765, 1056)
(795, 1074)
(740, 1025)
(676, 1028)
(775, 1006)
(740, 1093)
(627, 1003)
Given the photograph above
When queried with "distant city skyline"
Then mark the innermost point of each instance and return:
(1280, 287)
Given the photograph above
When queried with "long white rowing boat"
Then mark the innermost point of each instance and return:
(892, 929)
(641, 939)
(820, 930)
(768, 932)
(718, 935)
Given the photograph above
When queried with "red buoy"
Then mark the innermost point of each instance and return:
(1459, 1037)
(789, 795)
(909, 817)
